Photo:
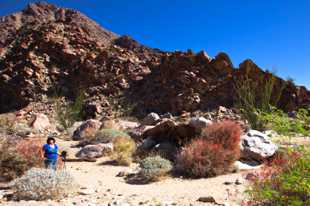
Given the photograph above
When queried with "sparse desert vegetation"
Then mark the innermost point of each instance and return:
(284, 181)
(43, 184)
(123, 150)
(135, 125)
(154, 168)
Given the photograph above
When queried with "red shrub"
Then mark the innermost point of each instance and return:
(214, 153)
(283, 180)
(226, 133)
(202, 158)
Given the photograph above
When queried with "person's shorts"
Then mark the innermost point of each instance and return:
(50, 164)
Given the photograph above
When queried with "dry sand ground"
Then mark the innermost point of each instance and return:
(104, 188)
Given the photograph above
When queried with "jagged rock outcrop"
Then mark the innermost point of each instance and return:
(51, 55)
(47, 51)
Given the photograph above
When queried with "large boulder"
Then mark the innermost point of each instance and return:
(170, 131)
(41, 123)
(256, 146)
(159, 129)
(94, 151)
(199, 123)
(151, 119)
(74, 127)
(86, 129)
(137, 132)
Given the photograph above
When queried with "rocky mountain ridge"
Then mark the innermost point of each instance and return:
(47, 51)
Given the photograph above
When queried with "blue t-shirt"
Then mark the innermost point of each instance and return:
(50, 152)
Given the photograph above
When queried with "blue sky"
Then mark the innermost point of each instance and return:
(274, 33)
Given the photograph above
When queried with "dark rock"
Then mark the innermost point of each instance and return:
(207, 199)
(91, 110)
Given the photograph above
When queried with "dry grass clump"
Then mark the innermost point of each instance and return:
(123, 150)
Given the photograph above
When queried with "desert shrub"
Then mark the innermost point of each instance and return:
(280, 122)
(108, 135)
(212, 154)
(226, 133)
(154, 168)
(68, 113)
(43, 184)
(123, 150)
(285, 181)
(16, 159)
(203, 158)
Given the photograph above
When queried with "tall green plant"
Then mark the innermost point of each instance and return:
(253, 97)
(67, 114)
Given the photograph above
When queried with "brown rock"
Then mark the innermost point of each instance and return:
(207, 199)
(86, 129)
(41, 123)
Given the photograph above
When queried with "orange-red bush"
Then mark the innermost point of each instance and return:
(212, 154)
(202, 158)
(283, 180)
(226, 133)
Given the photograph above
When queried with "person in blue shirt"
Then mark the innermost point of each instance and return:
(50, 150)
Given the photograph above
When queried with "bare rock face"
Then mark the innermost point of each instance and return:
(46, 50)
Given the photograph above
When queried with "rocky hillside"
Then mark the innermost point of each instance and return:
(47, 51)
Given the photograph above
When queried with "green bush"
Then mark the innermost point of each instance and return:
(43, 184)
(255, 96)
(280, 122)
(108, 135)
(123, 149)
(104, 136)
(154, 168)
(68, 113)
(285, 182)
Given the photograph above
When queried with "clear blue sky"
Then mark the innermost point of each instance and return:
(274, 33)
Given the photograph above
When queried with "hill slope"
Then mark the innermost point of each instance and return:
(46, 51)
